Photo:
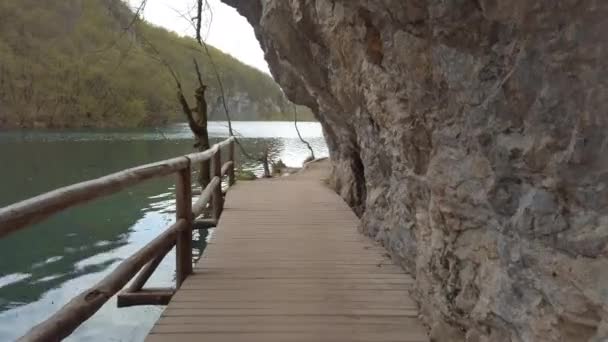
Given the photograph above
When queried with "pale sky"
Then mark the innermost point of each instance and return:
(229, 31)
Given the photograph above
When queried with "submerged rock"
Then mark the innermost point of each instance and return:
(470, 135)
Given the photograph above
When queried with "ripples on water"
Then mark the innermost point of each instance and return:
(43, 267)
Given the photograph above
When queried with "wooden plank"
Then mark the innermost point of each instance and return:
(295, 276)
(290, 311)
(242, 286)
(280, 320)
(197, 279)
(319, 272)
(281, 296)
(293, 303)
(296, 328)
(286, 263)
(301, 336)
(145, 297)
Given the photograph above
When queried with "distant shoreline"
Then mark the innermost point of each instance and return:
(6, 127)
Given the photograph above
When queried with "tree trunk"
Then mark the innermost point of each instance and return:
(202, 139)
(266, 165)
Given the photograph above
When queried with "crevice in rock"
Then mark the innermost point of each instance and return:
(360, 189)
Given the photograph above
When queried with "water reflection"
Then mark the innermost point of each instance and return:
(43, 267)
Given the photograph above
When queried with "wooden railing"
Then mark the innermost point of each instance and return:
(143, 263)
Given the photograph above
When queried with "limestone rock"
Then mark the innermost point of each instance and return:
(471, 137)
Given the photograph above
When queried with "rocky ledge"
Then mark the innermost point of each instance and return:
(470, 135)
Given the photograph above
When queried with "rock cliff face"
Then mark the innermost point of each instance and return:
(471, 135)
(243, 108)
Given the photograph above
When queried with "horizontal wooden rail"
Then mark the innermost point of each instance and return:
(208, 154)
(227, 142)
(36, 209)
(202, 156)
(82, 307)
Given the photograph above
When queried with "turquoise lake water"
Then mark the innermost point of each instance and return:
(44, 266)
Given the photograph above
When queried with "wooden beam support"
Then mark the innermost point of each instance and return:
(226, 168)
(145, 297)
(61, 324)
(205, 198)
(147, 271)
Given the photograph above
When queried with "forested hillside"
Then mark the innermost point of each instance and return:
(81, 63)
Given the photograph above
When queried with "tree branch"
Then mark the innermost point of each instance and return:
(196, 129)
(199, 20)
(199, 11)
(295, 122)
(201, 42)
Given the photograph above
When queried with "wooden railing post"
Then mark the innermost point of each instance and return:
(183, 199)
(231, 176)
(218, 200)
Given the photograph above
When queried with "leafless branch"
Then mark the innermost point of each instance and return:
(185, 17)
(200, 5)
(198, 74)
(295, 122)
(136, 17)
(199, 20)
(196, 129)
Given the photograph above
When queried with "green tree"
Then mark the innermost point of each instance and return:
(76, 63)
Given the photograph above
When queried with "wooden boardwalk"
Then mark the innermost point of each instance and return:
(287, 264)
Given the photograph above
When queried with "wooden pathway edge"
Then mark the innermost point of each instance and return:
(287, 263)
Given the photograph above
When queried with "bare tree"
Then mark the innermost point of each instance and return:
(199, 19)
(295, 122)
(201, 5)
(199, 125)
(197, 121)
(197, 116)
